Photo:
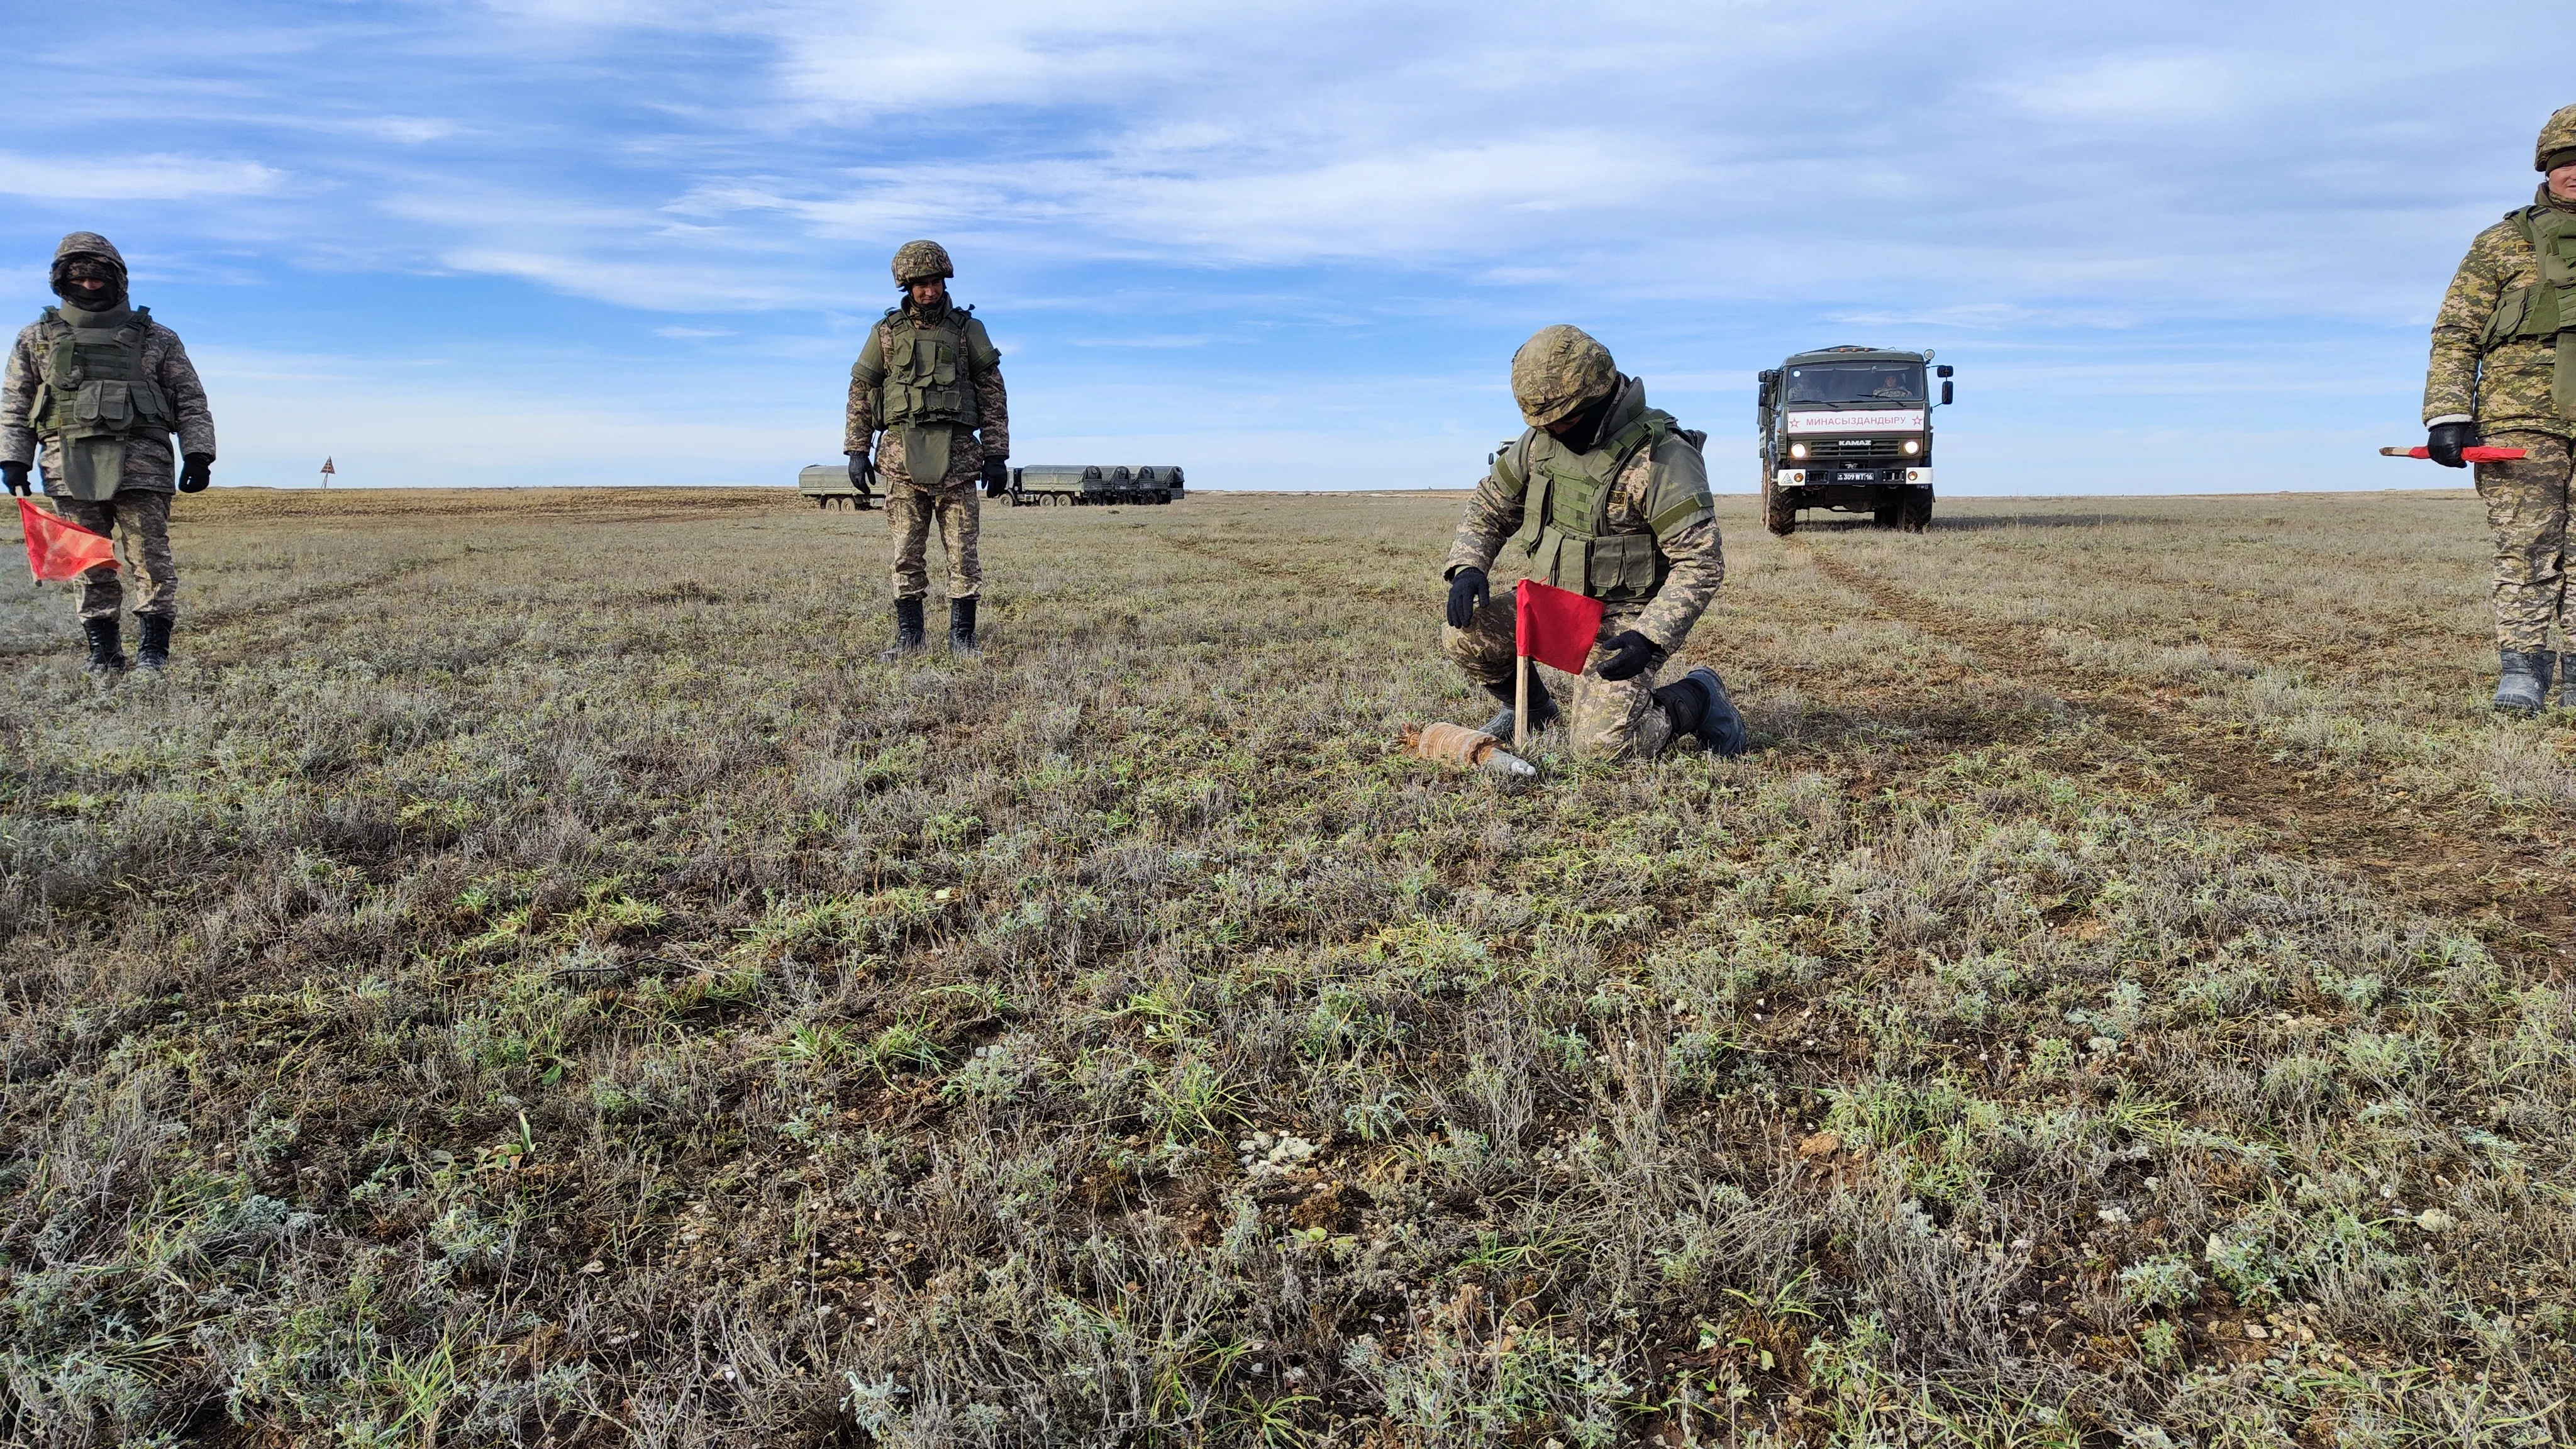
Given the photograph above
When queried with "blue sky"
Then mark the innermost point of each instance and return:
(2173, 248)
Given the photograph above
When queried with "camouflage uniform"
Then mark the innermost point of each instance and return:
(1619, 719)
(911, 505)
(137, 513)
(2508, 388)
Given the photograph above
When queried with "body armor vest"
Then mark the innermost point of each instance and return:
(1565, 512)
(930, 369)
(928, 389)
(94, 384)
(2547, 308)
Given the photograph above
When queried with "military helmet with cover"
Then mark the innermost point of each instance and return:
(2557, 146)
(919, 261)
(1557, 371)
(90, 252)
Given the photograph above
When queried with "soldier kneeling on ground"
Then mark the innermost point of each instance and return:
(2503, 372)
(101, 386)
(1609, 498)
(931, 379)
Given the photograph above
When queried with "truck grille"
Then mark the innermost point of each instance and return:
(1824, 451)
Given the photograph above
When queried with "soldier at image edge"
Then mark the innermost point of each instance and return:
(1607, 497)
(101, 386)
(2503, 372)
(930, 379)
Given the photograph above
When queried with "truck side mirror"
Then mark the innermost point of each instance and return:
(1945, 392)
(1768, 382)
(1943, 370)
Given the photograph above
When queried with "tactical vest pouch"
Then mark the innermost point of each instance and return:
(1562, 562)
(106, 404)
(1622, 567)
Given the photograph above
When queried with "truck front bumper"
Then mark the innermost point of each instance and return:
(1853, 477)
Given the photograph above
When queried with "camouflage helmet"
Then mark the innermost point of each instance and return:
(920, 260)
(2557, 141)
(87, 244)
(1559, 370)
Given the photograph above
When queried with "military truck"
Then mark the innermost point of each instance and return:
(1848, 429)
(1094, 483)
(829, 483)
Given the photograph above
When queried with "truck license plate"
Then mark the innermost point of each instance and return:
(1855, 477)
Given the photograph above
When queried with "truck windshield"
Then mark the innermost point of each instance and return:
(1846, 384)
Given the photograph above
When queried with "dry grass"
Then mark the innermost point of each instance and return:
(533, 976)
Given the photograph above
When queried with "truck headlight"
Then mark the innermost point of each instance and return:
(1797, 450)
(1912, 447)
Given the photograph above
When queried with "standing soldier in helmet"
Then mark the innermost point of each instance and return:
(930, 379)
(101, 386)
(1607, 497)
(2504, 373)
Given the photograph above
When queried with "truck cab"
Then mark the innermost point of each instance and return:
(1849, 429)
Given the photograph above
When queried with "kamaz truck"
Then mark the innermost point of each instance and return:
(1850, 429)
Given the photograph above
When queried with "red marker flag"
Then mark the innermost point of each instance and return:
(59, 549)
(1555, 626)
(2473, 454)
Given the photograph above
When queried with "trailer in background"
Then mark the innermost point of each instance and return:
(1079, 485)
(827, 483)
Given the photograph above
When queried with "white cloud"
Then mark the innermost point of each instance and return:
(2129, 90)
(139, 178)
(660, 286)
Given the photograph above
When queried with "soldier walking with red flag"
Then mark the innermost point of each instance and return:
(100, 386)
(2503, 372)
(1607, 498)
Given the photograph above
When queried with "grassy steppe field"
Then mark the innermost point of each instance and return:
(531, 975)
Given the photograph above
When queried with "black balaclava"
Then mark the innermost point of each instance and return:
(79, 267)
(1585, 433)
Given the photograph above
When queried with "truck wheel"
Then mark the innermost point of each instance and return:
(1915, 513)
(1778, 514)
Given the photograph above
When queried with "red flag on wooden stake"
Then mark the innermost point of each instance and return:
(1555, 626)
(59, 549)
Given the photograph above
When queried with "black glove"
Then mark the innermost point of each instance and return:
(1468, 592)
(1631, 654)
(199, 471)
(2445, 440)
(997, 477)
(863, 472)
(16, 473)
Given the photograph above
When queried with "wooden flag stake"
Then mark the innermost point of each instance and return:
(1520, 706)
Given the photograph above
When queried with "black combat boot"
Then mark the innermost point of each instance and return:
(152, 652)
(1542, 709)
(106, 647)
(2523, 685)
(961, 626)
(909, 636)
(1697, 704)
